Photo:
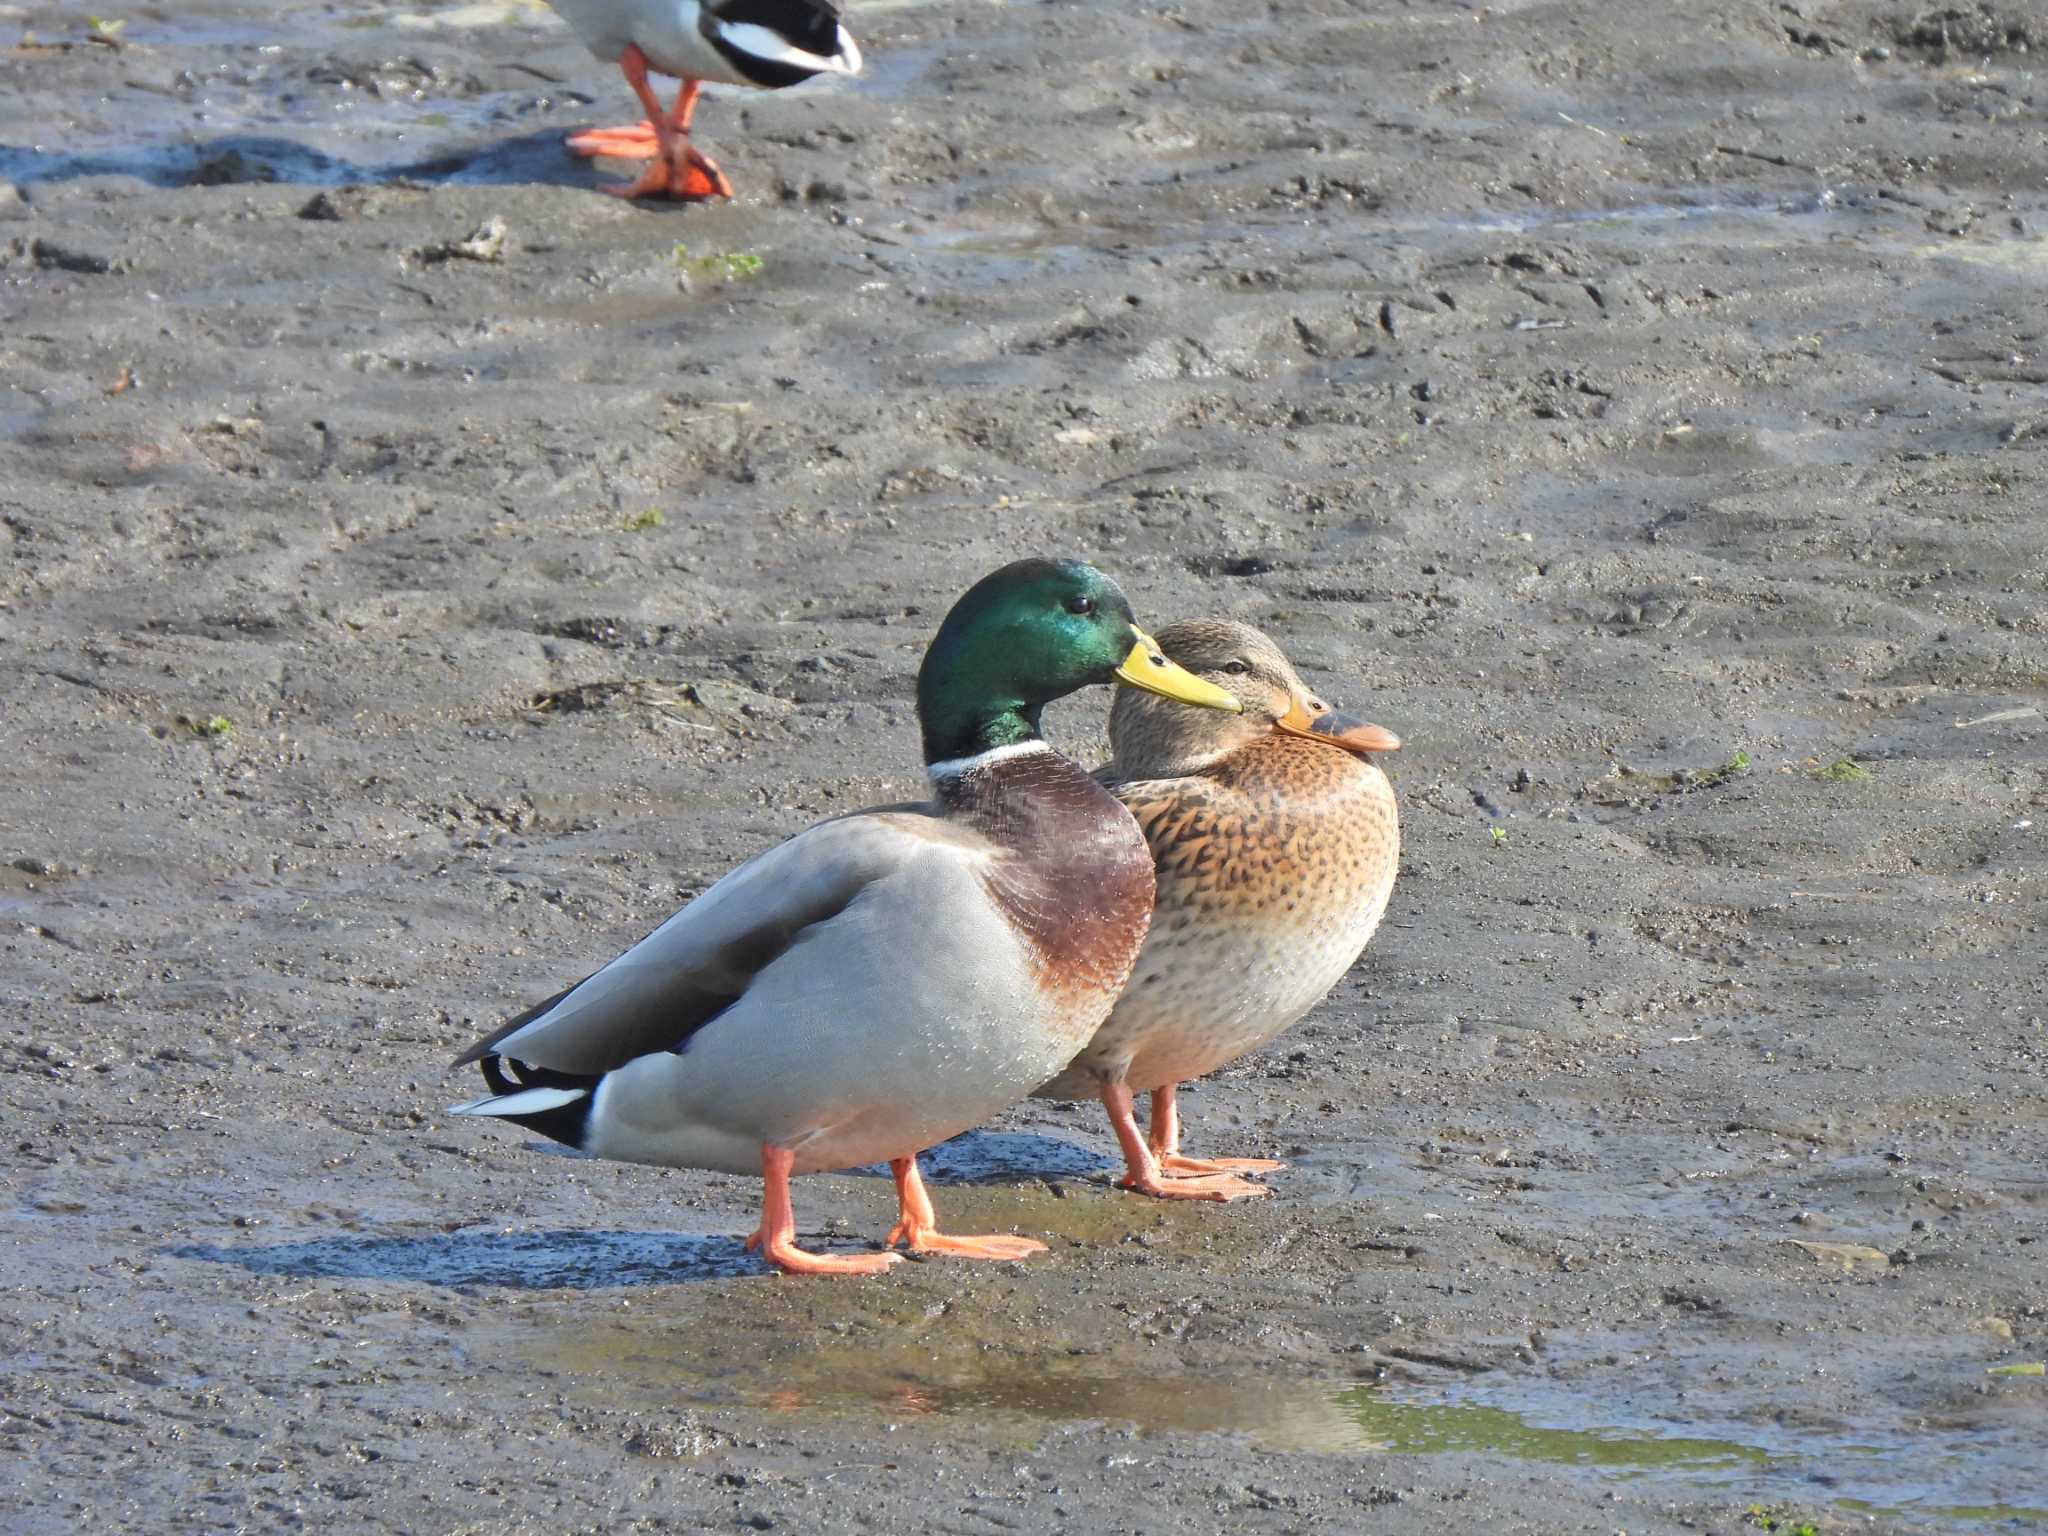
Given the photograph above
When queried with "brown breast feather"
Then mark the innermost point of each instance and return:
(1292, 820)
(1075, 880)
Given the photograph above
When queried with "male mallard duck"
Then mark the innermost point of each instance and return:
(1275, 841)
(890, 977)
(764, 43)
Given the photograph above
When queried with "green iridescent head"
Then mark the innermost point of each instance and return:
(1025, 635)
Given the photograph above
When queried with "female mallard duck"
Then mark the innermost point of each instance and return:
(764, 43)
(1275, 841)
(887, 978)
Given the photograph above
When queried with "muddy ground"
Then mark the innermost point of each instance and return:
(1639, 409)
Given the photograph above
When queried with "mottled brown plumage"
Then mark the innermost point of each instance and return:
(1274, 841)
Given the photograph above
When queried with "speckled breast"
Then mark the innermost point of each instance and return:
(1271, 879)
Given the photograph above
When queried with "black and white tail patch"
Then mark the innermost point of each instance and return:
(775, 43)
(556, 1104)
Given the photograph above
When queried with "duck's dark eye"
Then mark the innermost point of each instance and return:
(1236, 668)
(1080, 605)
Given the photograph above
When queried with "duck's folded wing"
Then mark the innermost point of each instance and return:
(694, 966)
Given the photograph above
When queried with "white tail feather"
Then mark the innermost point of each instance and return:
(773, 48)
(530, 1101)
(849, 52)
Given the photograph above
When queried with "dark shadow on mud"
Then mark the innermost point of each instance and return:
(525, 160)
(598, 1260)
(527, 1261)
(1005, 1157)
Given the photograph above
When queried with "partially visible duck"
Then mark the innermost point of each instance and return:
(888, 978)
(765, 43)
(1275, 840)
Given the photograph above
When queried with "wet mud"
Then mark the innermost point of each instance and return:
(421, 574)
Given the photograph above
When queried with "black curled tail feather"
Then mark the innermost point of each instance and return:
(567, 1123)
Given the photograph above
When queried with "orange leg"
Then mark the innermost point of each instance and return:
(1142, 1168)
(680, 170)
(1162, 1135)
(917, 1224)
(776, 1236)
(641, 140)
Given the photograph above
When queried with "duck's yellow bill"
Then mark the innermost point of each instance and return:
(1147, 668)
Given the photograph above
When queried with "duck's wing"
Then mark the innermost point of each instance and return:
(698, 963)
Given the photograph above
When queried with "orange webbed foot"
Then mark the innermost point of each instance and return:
(925, 1240)
(678, 170)
(784, 1254)
(792, 1260)
(1214, 1186)
(776, 1236)
(917, 1225)
(686, 182)
(1173, 1162)
(1143, 1160)
(1163, 1142)
(636, 141)
(701, 176)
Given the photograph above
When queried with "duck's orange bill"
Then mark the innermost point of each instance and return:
(1338, 729)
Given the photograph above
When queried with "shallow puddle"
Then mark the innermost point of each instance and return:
(1945, 1475)
(221, 95)
(341, 98)
(1689, 1414)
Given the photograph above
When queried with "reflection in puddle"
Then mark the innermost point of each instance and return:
(1274, 1414)
(946, 1377)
